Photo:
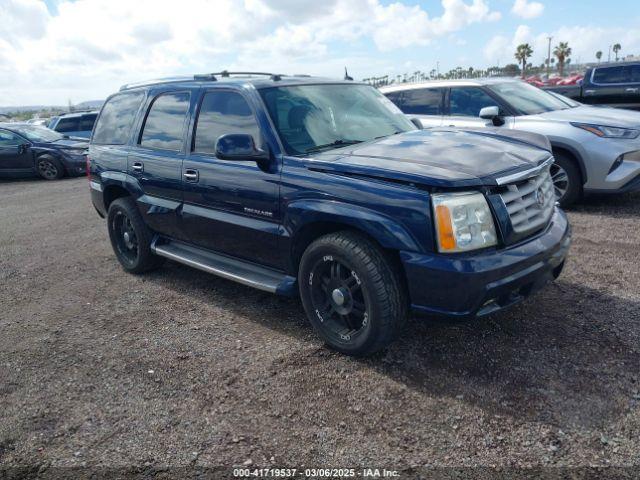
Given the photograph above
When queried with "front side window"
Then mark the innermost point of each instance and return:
(222, 113)
(619, 74)
(422, 101)
(468, 101)
(68, 125)
(116, 119)
(315, 117)
(164, 126)
(8, 139)
(527, 99)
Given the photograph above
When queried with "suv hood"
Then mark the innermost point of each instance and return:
(612, 117)
(439, 157)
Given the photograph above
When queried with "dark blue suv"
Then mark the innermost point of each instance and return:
(322, 188)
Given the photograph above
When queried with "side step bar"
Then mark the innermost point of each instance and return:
(240, 271)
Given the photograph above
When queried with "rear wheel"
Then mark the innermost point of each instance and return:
(352, 293)
(567, 181)
(130, 237)
(50, 168)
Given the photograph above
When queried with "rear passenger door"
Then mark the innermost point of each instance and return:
(230, 206)
(155, 159)
(426, 104)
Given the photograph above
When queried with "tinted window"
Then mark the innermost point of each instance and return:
(8, 139)
(621, 74)
(422, 101)
(222, 113)
(116, 119)
(87, 121)
(469, 101)
(164, 126)
(635, 73)
(68, 125)
(395, 97)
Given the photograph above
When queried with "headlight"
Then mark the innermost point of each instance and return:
(608, 132)
(463, 222)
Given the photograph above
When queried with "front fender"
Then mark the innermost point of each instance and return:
(385, 230)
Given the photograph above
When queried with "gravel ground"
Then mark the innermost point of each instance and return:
(177, 367)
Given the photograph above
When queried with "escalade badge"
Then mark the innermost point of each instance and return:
(540, 197)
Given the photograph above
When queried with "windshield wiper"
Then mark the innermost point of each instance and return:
(337, 143)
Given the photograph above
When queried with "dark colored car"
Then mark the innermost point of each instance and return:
(610, 84)
(322, 188)
(77, 124)
(27, 150)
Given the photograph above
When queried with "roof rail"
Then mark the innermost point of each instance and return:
(225, 74)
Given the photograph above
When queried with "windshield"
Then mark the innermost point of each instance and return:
(315, 117)
(527, 99)
(572, 103)
(38, 134)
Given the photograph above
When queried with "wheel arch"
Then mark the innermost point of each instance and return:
(574, 155)
(309, 220)
(116, 185)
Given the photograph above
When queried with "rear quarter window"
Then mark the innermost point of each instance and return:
(116, 119)
(68, 125)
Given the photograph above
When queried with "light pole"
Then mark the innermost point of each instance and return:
(549, 56)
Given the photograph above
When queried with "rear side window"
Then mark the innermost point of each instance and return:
(68, 125)
(635, 73)
(422, 101)
(222, 113)
(620, 74)
(87, 121)
(468, 102)
(164, 126)
(116, 119)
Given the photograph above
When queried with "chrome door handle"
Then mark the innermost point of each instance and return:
(191, 175)
(589, 92)
(137, 166)
(631, 90)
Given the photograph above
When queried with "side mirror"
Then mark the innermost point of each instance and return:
(23, 147)
(493, 114)
(417, 123)
(239, 147)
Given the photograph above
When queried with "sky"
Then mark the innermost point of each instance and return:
(57, 51)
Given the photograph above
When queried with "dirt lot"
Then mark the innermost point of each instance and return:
(98, 367)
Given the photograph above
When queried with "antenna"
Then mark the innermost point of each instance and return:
(346, 75)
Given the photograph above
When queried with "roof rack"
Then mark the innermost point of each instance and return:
(225, 74)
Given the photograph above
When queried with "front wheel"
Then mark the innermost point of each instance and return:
(50, 168)
(352, 293)
(566, 179)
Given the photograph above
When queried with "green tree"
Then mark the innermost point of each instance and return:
(562, 52)
(523, 52)
(616, 48)
(598, 55)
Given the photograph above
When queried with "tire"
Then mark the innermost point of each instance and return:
(130, 237)
(352, 292)
(49, 168)
(567, 180)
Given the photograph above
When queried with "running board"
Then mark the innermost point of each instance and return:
(240, 271)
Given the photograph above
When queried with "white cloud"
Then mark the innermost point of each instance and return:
(90, 47)
(584, 41)
(524, 9)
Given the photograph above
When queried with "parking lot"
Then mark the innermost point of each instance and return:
(178, 367)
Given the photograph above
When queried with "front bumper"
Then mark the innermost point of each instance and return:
(473, 285)
(599, 156)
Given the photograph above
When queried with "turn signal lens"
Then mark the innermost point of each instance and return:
(463, 222)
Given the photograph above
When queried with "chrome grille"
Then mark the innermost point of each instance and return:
(530, 202)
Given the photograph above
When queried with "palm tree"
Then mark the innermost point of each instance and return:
(616, 48)
(598, 55)
(523, 52)
(562, 52)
